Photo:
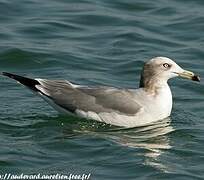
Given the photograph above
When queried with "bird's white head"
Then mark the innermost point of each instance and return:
(159, 69)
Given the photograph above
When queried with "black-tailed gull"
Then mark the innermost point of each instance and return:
(152, 101)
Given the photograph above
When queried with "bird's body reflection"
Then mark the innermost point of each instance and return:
(150, 137)
(151, 141)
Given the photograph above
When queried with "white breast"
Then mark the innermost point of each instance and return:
(158, 106)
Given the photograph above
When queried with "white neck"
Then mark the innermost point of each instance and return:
(164, 99)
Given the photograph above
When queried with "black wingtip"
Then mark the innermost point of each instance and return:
(30, 83)
(8, 74)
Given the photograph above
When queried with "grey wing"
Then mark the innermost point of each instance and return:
(100, 99)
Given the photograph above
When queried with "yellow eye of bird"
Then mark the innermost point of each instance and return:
(166, 65)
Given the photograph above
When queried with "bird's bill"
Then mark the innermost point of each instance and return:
(189, 75)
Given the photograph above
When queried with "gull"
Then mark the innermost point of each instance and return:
(151, 102)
